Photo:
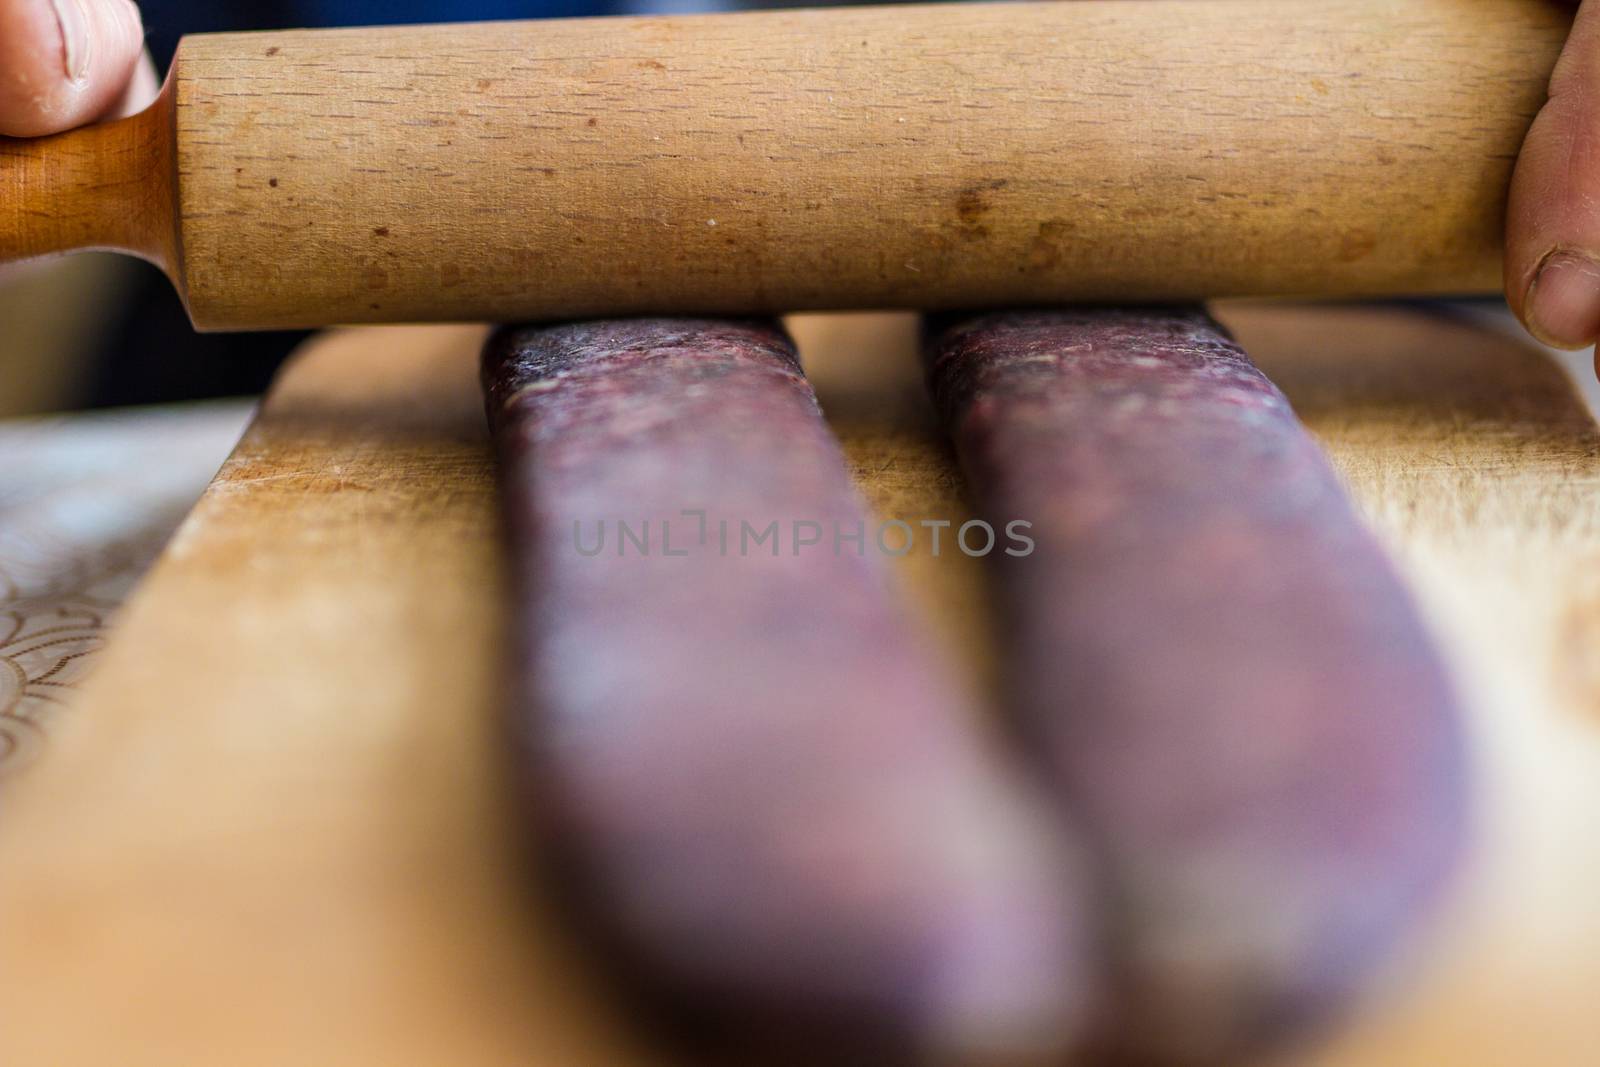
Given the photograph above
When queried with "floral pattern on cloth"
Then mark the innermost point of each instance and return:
(86, 504)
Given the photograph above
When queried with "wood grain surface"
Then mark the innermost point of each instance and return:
(276, 831)
(956, 155)
(106, 186)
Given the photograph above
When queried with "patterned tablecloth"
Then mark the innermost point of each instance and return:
(86, 503)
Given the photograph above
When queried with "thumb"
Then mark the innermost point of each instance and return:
(1552, 263)
(64, 62)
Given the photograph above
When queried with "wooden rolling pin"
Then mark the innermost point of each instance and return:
(931, 157)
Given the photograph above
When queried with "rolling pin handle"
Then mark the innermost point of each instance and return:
(106, 186)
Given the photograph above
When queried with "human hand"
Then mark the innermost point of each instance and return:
(64, 63)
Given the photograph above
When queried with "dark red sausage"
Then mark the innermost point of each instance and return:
(770, 788)
(1229, 686)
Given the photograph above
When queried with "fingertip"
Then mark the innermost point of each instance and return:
(1552, 237)
(64, 63)
(142, 89)
(1563, 304)
(1540, 211)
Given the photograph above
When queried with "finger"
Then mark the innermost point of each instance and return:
(64, 62)
(1552, 267)
(141, 91)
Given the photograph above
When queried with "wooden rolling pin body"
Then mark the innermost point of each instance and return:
(947, 156)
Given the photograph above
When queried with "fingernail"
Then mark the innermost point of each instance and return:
(1564, 303)
(74, 36)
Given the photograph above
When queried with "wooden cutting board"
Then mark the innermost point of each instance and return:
(275, 831)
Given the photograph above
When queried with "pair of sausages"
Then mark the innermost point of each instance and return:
(1240, 773)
